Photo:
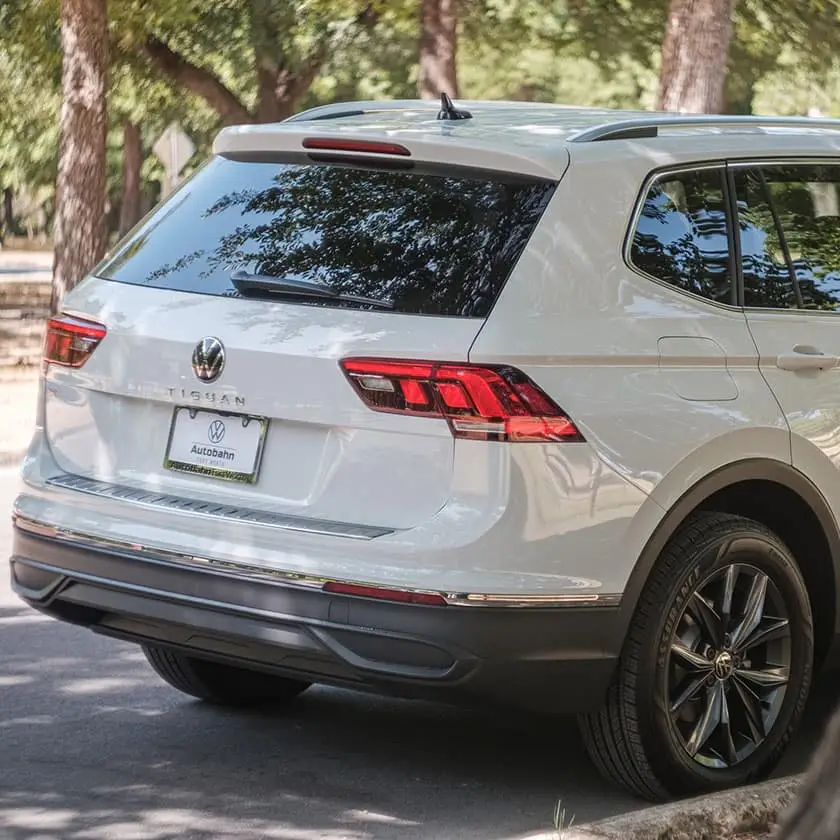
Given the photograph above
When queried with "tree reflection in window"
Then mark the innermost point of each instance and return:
(681, 237)
(789, 218)
(431, 243)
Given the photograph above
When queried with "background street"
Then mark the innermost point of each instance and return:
(93, 746)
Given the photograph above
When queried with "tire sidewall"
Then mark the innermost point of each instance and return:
(667, 757)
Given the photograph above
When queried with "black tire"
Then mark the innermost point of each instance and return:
(215, 682)
(640, 738)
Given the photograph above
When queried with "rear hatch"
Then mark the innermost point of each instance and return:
(226, 314)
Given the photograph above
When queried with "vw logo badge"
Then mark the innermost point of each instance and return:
(208, 359)
(216, 432)
(724, 665)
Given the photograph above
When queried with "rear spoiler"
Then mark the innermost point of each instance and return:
(436, 145)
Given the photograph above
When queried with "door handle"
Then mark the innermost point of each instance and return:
(805, 357)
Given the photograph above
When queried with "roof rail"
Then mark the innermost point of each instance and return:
(337, 110)
(649, 126)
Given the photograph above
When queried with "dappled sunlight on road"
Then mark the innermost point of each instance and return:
(95, 746)
(130, 819)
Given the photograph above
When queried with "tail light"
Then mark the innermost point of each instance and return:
(336, 144)
(71, 341)
(479, 403)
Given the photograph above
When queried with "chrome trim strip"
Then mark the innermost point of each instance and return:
(588, 599)
(285, 578)
(214, 510)
(785, 159)
(621, 128)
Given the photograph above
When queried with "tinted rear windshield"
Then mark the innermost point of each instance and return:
(432, 242)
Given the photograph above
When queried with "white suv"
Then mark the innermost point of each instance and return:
(518, 404)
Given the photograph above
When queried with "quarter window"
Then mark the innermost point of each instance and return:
(789, 222)
(682, 234)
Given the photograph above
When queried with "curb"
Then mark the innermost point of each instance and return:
(715, 817)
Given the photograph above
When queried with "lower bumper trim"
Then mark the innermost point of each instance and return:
(460, 599)
(546, 659)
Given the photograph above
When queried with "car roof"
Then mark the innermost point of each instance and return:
(535, 138)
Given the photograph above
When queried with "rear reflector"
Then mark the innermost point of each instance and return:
(71, 341)
(479, 403)
(330, 144)
(431, 599)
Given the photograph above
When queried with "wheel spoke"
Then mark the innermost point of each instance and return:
(730, 752)
(766, 678)
(696, 661)
(691, 690)
(729, 579)
(709, 720)
(752, 711)
(753, 610)
(708, 619)
(769, 630)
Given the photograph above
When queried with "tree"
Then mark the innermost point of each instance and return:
(30, 93)
(287, 44)
(438, 48)
(80, 233)
(695, 51)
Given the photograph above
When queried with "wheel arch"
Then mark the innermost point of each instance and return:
(789, 504)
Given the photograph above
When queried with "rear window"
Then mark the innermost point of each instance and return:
(432, 242)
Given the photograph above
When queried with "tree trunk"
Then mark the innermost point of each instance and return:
(268, 108)
(438, 48)
(694, 56)
(80, 232)
(8, 226)
(815, 814)
(132, 161)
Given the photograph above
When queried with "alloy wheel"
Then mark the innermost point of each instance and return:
(728, 666)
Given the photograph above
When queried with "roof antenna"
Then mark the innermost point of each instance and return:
(449, 112)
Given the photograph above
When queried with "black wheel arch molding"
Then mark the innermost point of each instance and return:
(698, 497)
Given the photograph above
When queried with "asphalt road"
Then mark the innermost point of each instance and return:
(94, 747)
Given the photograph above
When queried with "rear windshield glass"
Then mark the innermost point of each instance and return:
(432, 242)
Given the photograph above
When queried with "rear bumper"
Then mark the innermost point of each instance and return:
(557, 659)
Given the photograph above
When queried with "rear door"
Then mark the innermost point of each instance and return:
(213, 382)
(789, 221)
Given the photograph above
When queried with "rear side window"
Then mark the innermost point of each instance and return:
(432, 242)
(682, 238)
(789, 221)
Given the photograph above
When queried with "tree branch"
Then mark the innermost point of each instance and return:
(197, 80)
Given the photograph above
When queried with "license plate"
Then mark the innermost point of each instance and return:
(226, 446)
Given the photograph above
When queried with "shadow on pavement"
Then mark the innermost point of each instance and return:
(93, 746)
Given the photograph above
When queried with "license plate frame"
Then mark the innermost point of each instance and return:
(212, 468)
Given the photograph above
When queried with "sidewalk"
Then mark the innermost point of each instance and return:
(18, 399)
(25, 262)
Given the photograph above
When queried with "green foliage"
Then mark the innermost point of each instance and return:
(28, 123)
(596, 52)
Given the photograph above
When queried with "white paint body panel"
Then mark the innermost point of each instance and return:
(518, 521)
(326, 455)
(666, 389)
(810, 399)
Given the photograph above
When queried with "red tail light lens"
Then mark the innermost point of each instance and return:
(71, 341)
(430, 599)
(329, 144)
(480, 403)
